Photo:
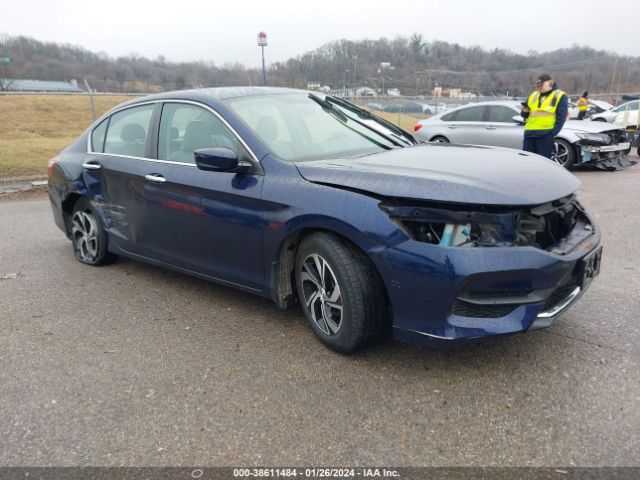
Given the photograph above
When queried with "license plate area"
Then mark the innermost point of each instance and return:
(589, 268)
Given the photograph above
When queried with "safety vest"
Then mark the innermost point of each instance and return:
(582, 104)
(543, 116)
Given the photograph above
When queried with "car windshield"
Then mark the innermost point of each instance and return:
(302, 126)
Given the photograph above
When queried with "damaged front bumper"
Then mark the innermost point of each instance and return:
(606, 157)
(467, 289)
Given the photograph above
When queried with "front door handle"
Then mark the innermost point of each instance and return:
(453, 126)
(92, 166)
(155, 178)
(490, 127)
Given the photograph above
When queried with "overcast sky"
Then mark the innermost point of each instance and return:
(226, 31)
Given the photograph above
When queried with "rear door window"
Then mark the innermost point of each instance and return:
(128, 130)
(471, 114)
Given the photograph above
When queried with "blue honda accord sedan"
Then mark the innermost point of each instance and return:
(309, 199)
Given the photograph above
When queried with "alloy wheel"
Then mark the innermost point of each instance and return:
(85, 236)
(560, 154)
(322, 296)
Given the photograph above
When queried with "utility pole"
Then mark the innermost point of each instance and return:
(93, 106)
(346, 81)
(355, 77)
(262, 42)
(613, 77)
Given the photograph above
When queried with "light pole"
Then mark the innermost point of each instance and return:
(262, 42)
(355, 77)
(346, 81)
(384, 66)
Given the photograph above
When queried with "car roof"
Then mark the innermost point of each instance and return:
(211, 96)
(497, 103)
(223, 93)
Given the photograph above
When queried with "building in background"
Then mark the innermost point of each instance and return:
(23, 85)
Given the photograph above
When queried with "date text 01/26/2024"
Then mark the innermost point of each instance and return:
(315, 472)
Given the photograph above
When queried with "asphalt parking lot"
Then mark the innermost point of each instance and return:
(133, 365)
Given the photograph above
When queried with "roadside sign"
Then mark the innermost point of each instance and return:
(262, 39)
(5, 59)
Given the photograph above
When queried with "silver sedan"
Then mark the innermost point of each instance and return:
(500, 124)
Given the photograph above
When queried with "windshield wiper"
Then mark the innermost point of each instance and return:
(367, 114)
(344, 119)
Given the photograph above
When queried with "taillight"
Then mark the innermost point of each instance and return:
(417, 127)
(50, 165)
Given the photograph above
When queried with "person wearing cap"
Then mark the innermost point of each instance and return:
(583, 104)
(545, 112)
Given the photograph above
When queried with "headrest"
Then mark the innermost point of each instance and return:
(197, 135)
(132, 132)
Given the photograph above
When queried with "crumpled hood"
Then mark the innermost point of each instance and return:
(589, 126)
(449, 173)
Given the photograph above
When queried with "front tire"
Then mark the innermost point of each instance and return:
(89, 238)
(340, 291)
(563, 153)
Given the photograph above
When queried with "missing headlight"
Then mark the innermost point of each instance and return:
(455, 227)
(557, 226)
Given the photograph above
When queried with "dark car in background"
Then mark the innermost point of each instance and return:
(308, 199)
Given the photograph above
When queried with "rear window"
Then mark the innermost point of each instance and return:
(449, 117)
(97, 136)
(127, 132)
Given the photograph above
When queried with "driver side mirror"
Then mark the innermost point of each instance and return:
(518, 119)
(219, 160)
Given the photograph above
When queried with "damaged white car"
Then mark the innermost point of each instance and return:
(500, 124)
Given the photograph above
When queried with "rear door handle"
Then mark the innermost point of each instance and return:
(155, 178)
(490, 127)
(92, 166)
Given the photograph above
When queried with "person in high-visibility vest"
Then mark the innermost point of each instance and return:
(545, 112)
(583, 105)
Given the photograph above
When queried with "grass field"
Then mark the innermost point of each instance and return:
(33, 128)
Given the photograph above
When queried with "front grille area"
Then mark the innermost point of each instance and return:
(466, 309)
(559, 295)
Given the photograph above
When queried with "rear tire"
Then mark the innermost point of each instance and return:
(599, 119)
(439, 139)
(341, 293)
(563, 153)
(89, 238)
